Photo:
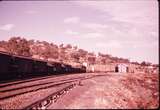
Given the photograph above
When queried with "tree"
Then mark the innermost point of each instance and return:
(54, 51)
(3, 44)
(19, 46)
(31, 42)
(91, 60)
(82, 53)
(61, 46)
(145, 63)
(47, 50)
(104, 55)
(91, 53)
(62, 54)
(75, 56)
(103, 61)
(12, 45)
(24, 48)
(69, 46)
(136, 63)
(75, 47)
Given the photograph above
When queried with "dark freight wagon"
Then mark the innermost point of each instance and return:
(4, 66)
(19, 67)
(22, 66)
(57, 68)
(40, 68)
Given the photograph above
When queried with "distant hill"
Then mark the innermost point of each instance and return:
(53, 52)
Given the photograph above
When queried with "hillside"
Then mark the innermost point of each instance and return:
(65, 53)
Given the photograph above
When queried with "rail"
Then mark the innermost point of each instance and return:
(45, 102)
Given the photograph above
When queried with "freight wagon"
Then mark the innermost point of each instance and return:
(19, 67)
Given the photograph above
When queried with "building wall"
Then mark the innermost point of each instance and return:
(132, 68)
(122, 68)
(101, 68)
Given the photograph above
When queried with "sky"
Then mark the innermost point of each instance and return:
(122, 28)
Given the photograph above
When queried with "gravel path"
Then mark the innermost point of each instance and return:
(113, 91)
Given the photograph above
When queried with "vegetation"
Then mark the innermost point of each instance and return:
(51, 51)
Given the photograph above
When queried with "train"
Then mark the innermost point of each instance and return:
(20, 67)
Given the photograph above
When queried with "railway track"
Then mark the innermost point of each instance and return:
(12, 92)
(52, 98)
(63, 85)
(15, 90)
(13, 82)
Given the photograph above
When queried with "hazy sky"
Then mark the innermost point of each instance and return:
(123, 28)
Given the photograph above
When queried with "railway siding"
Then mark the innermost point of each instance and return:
(22, 101)
(45, 102)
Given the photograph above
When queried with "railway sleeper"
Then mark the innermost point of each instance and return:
(45, 103)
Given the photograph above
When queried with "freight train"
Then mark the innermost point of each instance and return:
(19, 67)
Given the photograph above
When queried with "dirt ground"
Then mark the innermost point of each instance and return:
(113, 91)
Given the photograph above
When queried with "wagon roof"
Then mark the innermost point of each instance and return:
(30, 58)
(6, 53)
(19, 56)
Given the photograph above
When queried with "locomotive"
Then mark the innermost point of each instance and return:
(19, 67)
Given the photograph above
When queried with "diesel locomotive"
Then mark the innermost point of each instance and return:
(19, 67)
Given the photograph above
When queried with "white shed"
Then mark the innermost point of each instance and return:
(122, 68)
(85, 64)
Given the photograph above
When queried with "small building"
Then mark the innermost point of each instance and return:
(85, 64)
(121, 68)
(92, 69)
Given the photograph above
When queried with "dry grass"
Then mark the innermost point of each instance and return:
(145, 88)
